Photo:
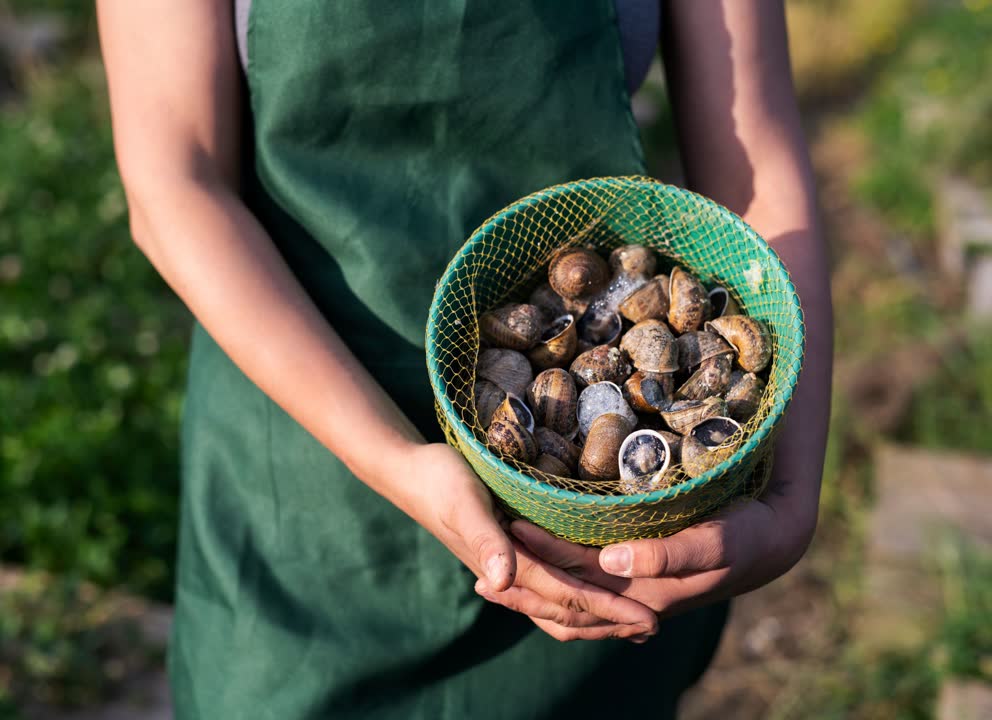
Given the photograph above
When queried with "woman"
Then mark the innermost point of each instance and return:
(334, 556)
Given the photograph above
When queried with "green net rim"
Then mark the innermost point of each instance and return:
(467, 437)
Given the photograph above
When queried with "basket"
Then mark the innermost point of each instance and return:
(502, 261)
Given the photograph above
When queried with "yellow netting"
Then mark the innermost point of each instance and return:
(508, 256)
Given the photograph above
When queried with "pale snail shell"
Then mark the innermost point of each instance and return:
(599, 326)
(722, 303)
(553, 398)
(512, 440)
(599, 455)
(651, 347)
(633, 260)
(578, 272)
(748, 336)
(507, 369)
(600, 364)
(644, 452)
(601, 399)
(688, 304)
(682, 415)
(557, 345)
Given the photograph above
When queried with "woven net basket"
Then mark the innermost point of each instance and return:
(507, 257)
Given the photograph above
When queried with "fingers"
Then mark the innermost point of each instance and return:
(568, 556)
(490, 550)
(528, 602)
(603, 632)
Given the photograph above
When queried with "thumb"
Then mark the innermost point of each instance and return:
(490, 549)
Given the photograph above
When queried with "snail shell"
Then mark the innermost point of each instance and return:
(551, 443)
(507, 369)
(744, 395)
(688, 302)
(648, 392)
(578, 272)
(599, 326)
(712, 378)
(749, 338)
(512, 440)
(722, 303)
(517, 326)
(694, 347)
(600, 364)
(682, 415)
(651, 347)
(633, 260)
(600, 399)
(488, 397)
(557, 344)
(551, 465)
(553, 397)
(599, 456)
(708, 444)
(548, 301)
(650, 301)
(644, 452)
(514, 409)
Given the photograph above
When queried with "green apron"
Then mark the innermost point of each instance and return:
(383, 134)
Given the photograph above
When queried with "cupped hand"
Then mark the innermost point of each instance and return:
(449, 501)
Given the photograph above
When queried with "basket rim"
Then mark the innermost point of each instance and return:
(467, 437)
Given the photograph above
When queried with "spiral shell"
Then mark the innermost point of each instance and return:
(599, 456)
(600, 399)
(749, 338)
(507, 369)
(682, 415)
(649, 301)
(488, 397)
(651, 347)
(553, 398)
(600, 364)
(744, 395)
(599, 326)
(722, 303)
(712, 378)
(578, 272)
(644, 452)
(688, 304)
(551, 465)
(557, 344)
(648, 392)
(509, 439)
(694, 347)
(633, 260)
(514, 409)
(517, 326)
(708, 444)
(551, 443)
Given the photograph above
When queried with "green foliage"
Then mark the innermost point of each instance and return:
(93, 347)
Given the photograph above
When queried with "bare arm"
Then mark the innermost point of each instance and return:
(174, 89)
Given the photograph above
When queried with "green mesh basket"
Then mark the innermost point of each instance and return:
(505, 258)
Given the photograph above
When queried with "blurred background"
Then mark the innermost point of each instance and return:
(888, 616)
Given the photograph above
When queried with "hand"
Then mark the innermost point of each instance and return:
(452, 504)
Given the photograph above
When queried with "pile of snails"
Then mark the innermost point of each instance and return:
(617, 375)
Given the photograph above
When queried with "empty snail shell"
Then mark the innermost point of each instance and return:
(712, 378)
(553, 398)
(516, 326)
(649, 301)
(599, 326)
(599, 456)
(578, 272)
(749, 338)
(744, 395)
(688, 304)
(651, 347)
(488, 397)
(633, 260)
(551, 465)
(551, 443)
(682, 415)
(722, 303)
(512, 440)
(644, 452)
(601, 399)
(708, 444)
(648, 392)
(557, 345)
(514, 409)
(507, 369)
(694, 347)
(600, 364)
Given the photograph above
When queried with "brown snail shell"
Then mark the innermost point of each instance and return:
(682, 415)
(488, 397)
(557, 345)
(578, 272)
(553, 398)
(551, 443)
(599, 456)
(512, 440)
(515, 326)
(651, 347)
(708, 444)
(722, 303)
(644, 453)
(712, 378)
(633, 260)
(599, 326)
(744, 395)
(600, 364)
(694, 347)
(600, 399)
(551, 465)
(648, 392)
(507, 369)
(514, 409)
(688, 304)
(749, 338)
(650, 301)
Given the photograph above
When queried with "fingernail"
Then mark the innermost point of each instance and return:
(639, 639)
(616, 560)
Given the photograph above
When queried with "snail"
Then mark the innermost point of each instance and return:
(512, 440)
(722, 303)
(557, 345)
(516, 326)
(651, 347)
(551, 443)
(688, 304)
(551, 465)
(749, 338)
(647, 302)
(708, 444)
(682, 415)
(644, 454)
(488, 397)
(695, 347)
(599, 455)
(633, 260)
(600, 399)
(514, 409)
(507, 369)
(600, 364)
(744, 395)
(578, 272)
(648, 392)
(712, 378)
(553, 398)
